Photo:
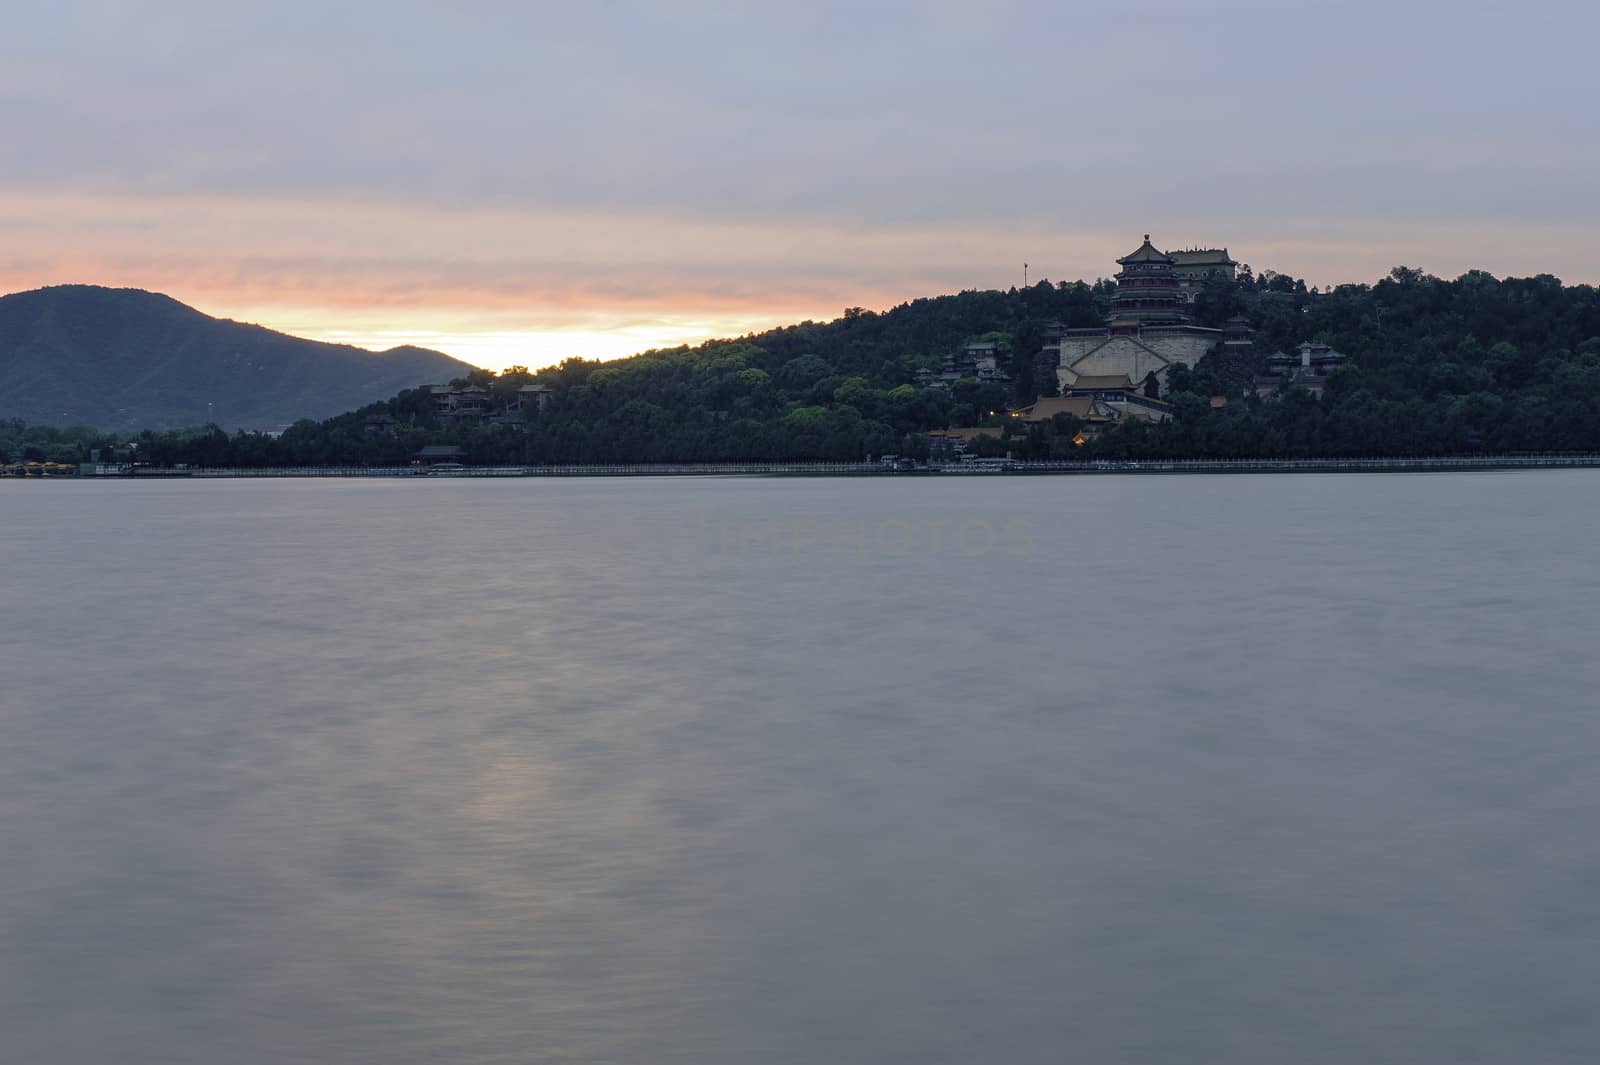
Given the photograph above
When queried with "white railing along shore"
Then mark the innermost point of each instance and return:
(826, 469)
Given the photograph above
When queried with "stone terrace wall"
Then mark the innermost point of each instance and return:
(1136, 358)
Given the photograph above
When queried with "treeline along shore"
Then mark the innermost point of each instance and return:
(1427, 369)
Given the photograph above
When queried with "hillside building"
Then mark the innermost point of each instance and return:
(1307, 369)
(1196, 266)
(978, 361)
(476, 405)
(1149, 326)
(1098, 401)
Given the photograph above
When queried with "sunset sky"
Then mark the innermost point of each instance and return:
(523, 182)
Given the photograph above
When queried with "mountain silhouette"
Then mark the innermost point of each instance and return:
(123, 358)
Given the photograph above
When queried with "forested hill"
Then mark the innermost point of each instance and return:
(1439, 366)
(124, 359)
(1475, 364)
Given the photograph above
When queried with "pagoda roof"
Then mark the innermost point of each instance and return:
(1192, 256)
(1146, 253)
(1047, 407)
(1103, 382)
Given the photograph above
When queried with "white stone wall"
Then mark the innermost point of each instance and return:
(1181, 348)
(1134, 357)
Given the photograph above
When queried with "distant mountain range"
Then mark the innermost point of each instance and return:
(122, 359)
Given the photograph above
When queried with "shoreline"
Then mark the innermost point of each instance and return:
(981, 468)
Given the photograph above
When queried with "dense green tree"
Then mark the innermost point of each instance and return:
(1476, 364)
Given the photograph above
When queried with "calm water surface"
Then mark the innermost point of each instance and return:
(1143, 770)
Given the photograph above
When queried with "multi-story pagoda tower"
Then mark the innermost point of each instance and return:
(1148, 291)
(1148, 327)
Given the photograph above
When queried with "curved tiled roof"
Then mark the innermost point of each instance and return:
(1201, 256)
(1103, 382)
(1048, 407)
(1146, 253)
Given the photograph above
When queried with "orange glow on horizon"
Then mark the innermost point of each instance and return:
(495, 337)
(535, 347)
(499, 286)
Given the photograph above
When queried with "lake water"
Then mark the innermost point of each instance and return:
(1124, 769)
